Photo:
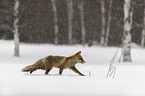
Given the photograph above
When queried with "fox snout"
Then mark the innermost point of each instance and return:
(83, 62)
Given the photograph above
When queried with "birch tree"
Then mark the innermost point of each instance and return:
(55, 21)
(103, 22)
(81, 8)
(70, 17)
(108, 23)
(143, 31)
(16, 28)
(127, 28)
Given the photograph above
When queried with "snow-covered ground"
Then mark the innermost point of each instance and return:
(129, 78)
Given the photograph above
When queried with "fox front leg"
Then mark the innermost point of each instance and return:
(76, 71)
(60, 70)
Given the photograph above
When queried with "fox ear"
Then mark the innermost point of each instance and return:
(78, 53)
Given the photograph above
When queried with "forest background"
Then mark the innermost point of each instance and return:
(36, 21)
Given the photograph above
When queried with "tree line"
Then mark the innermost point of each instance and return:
(104, 22)
(71, 21)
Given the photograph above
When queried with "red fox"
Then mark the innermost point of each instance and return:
(61, 62)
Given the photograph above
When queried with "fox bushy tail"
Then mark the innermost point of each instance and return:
(29, 68)
(38, 65)
(35, 66)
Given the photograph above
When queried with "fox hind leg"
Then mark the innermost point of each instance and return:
(76, 71)
(60, 71)
(47, 70)
(31, 72)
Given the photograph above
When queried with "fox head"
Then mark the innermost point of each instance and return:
(79, 58)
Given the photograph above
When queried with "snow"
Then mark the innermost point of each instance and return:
(129, 78)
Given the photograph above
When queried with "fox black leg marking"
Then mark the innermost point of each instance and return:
(47, 71)
(60, 70)
(75, 70)
(31, 72)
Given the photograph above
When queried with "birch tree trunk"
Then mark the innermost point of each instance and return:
(70, 17)
(143, 31)
(108, 23)
(81, 8)
(103, 22)
(127, 28)
(16, 28)
(55, 21)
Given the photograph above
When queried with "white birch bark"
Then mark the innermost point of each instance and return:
(108, 24)
(103, 22)
(127, 28)
(143, 31)
(70, 17)
(55, 21)
(16, 28)
(81, 8)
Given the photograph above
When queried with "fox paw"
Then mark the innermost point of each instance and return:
(31, 72)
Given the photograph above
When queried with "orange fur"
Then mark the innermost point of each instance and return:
(60, 62)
